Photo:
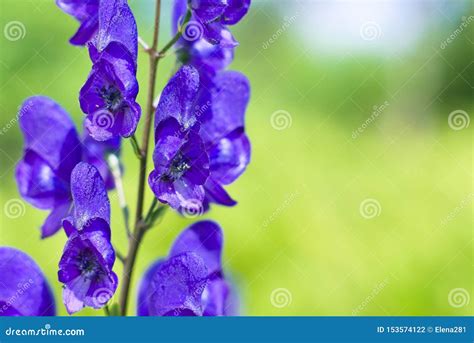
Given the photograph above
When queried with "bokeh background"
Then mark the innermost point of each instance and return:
(359, 197)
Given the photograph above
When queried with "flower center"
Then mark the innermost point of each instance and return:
(178, 167)
(87, 264)
(111, 96)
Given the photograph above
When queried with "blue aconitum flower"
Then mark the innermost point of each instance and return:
(212, 114)
(52, 149)
(86, 265)
(108, 98)
(86, 12)
(222, 130)
(193, 49)
(24, 290)
(213, 17)
(190, 281)
(180, 160)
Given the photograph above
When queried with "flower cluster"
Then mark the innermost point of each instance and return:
(200, 147)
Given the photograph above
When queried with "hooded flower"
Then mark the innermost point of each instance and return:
(210, 19)
(52, 150)
(190, 282)
(108, 96)
(181, 163)
(24, 291)
(208, 117)
(86, 265)
(193, 49)
(223, 133)
(86, 12)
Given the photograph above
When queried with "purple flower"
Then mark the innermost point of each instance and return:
(52, 150)
(86, 12)
(86, 265)
(200, 139)
(193, 49)
(24, 291)
(210, 19)
(180, 160)
(223, 133)
(190, 282)
(108, 96)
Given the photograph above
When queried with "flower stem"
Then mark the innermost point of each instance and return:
(114, 165)
(139, 230)
(176, 36)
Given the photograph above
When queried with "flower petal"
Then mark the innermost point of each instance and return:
(177, 98)
(89, 194)
(177, 286)
(24, 290)
(206, 240)
(116, 24)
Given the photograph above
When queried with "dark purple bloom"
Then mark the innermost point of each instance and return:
(86, 265)
(200, 133)
(190, 282)
(87, 13)
(108, 96)
(210, 19)
(52, 150)
(24, 291)
(223, 133)
(181, 163)
(193, 49)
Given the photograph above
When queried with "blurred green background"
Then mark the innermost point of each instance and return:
(350, 106)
